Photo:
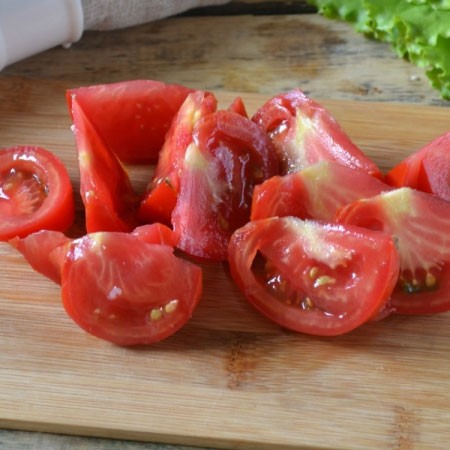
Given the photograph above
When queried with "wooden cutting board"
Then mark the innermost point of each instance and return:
(230, 378)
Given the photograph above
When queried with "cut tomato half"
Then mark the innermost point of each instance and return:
(35, 192)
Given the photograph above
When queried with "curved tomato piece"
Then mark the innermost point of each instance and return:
(35, 192)
(122, 289)
(316, 192)
(313, 277)
(109, 199)
(228, 157)
(45, 251)
(304, 133)
(161, 197)
(419, 224)
(427, 170)
(132, 117)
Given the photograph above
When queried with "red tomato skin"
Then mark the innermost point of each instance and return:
(238, 106)
(161, 196)
(53, 208)
(315, 192)
(230, 155)
(122, 289)
(45, 251)
(304, 133)
(427, 170)
(276, 238)
(132, 117)
(418, 223)
(109, 199)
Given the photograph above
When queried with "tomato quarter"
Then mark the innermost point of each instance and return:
(313, 277)
(304, 133)
(121, 288)
(419, 224)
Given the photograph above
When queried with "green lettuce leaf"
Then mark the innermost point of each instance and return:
(418, 30)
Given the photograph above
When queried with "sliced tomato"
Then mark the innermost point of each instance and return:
(427, 170)
(161, 196)
(228, 157)
(419, 223)
(316, 192)
(304, 133)
(313, 277)
(35, 192)
(127, 291)
(109, 199)
(45, 251)
(131, 117)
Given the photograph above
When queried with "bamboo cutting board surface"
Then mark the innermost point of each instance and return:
(230, 378)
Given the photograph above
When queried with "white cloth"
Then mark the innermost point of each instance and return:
(114, 14)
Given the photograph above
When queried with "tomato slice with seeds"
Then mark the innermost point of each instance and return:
(304, 133)
(132, 117)
(315, 192)
(427, 170)
(109, 199)
(120, 288)
(228, 157)
(314, 277)
(419, 223)
(35, 192)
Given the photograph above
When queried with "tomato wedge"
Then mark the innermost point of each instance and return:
(109, 199)
(315, 192)
(427, 170)
(304, 133)
(35, 192)
(162, 192)
(419, 224)
(118, 287)
(313, 277)
(228, 157)
(132, 117)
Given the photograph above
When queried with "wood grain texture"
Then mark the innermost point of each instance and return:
(264, 54)
(230, 378)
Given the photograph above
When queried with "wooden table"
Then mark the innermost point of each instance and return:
(223, 49)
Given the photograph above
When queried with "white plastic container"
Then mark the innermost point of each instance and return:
(28, 27)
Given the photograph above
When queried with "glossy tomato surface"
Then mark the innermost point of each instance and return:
(229, 156)
(110, 202)
(315, 192)
(127, 291)
(427, 170)
(313, 277)
(304, 133)
(162, 193)
(35, 192)
(419, 224)
(132, 117)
